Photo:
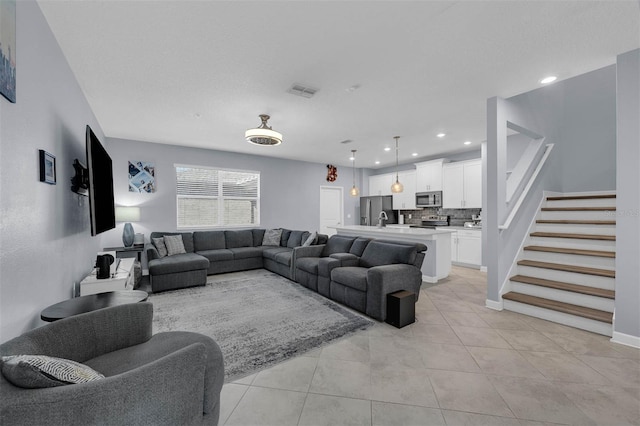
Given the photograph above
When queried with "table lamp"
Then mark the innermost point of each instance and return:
(128, 215)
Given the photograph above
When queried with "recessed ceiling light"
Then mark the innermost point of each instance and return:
(415, 154)
(377, 162)
(441, 135)
(387, 149)
(467, 142)
(352, 158)
(549, 79)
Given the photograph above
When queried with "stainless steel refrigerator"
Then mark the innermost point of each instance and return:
(370, 208)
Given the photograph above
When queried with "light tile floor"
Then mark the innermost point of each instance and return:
(459, 364)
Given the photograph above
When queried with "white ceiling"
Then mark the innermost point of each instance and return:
(198, 73)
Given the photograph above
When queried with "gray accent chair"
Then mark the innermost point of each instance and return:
(171, 378)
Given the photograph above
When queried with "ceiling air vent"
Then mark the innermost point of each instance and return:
(300, 90)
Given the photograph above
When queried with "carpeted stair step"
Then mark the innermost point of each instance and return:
(568, 268)
(567, 308)
(574, 236)
(599, 253)
(559, 285)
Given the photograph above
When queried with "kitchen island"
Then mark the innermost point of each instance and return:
(437, 259)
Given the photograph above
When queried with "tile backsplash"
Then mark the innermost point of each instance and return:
(457, 217)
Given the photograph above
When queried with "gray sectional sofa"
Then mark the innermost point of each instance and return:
(360, 272)
(216, 252)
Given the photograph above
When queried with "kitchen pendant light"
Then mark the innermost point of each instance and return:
(263, 135)
(354, 189)
(397, 187)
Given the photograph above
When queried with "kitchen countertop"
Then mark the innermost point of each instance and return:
(412, 234)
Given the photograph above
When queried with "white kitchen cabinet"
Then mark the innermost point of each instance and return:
(462, 185)
(381, 184)
(429, 175)
(466, 247)
(405, 200)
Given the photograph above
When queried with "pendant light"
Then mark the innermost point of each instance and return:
(397, 186)
(263, 135)
(354, 189)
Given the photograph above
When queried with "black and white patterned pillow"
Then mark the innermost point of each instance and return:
(159, 243)
(272, 237)
(174, 244)
(40, 371)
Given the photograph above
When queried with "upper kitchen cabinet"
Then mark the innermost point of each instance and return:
(462, 185)
(429, 175)
(381, 184)
(405, 200)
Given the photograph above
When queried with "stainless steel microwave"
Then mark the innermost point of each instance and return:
(429, 199)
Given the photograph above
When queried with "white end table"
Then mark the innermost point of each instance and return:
(122, 280)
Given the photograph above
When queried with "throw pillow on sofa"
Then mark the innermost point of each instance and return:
(40, 371)
(160, 246)
(174, 244)
(310, 240)
(272, 237)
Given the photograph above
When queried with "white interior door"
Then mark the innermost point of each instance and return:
(331, 209)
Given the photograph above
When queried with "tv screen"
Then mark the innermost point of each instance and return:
(101, 204)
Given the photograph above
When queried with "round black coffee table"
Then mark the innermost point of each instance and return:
(91, 302)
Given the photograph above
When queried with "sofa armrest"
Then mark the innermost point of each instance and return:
(169, 390)
(308, 251)
(152, 252)
(385, 279)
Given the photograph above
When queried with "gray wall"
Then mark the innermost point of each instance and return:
(627, 321)
(45, 242)
(289, 192)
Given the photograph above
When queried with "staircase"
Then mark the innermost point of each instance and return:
(566, 270)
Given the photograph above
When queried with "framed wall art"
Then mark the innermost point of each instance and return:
(47, 167)
(142, 176)
(8, 49)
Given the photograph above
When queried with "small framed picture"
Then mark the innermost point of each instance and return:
(47, 168)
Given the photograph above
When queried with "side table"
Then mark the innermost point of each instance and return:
(122, 280)
(125, 252)
(92, 302)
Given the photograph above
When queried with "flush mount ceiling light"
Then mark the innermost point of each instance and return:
(354, 192)
(263, 135)
(397, 186)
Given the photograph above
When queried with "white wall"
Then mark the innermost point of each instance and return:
(627, 318)
(45, 242)
(289, 193)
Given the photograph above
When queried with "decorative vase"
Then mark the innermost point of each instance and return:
(127, 235)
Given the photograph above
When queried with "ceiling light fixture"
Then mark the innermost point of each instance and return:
(263, 135)
(467, 143)
(397, 186)
(354, 192)
(549, 79)
(441, 135)
(387, 149)
(415, 154)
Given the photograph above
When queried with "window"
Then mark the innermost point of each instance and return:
(208, 197)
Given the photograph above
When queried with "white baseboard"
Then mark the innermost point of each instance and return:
(430, 280)
(483, 269)
(626, 339)
(492, 304)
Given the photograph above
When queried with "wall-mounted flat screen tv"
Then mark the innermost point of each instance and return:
(101, 203)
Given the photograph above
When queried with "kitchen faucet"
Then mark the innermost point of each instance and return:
(382, 216)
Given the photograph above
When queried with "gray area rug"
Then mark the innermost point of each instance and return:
(258, 318)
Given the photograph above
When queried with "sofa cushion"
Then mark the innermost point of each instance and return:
(217, 255)
(387, 253)
(246, 252)
(174, 244)
(351, 276)
(243, 238)
(295, 239)
(40, 371)
(187, 238)
(209, 240)
(308, 264)
(258, 236)
(359, 245)
(284, 238)
(161, 248)
(272, 237)
(337, 244)
(284, 257)
(271, 252)
(178, 263)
